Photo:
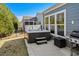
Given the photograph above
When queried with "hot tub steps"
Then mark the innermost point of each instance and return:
(41, 40)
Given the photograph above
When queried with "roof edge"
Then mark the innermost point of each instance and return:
(53, 8)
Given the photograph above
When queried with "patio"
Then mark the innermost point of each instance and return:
(48, 49)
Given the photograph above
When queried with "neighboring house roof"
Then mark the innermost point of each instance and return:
(26, 18)
(29, 18)
(34, 19)
(58, 5)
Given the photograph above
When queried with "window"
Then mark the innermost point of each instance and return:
(60, 24)
(60, 18)
(52, 28)
(26, 23)
(52, 19)
(46, 22)
(57, 25)
(52, 24)
(60, 30)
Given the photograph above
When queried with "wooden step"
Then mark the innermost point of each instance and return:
(41, 42)
(40, 38)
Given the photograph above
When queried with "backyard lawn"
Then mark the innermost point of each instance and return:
(13, 47)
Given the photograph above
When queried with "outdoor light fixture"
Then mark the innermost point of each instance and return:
(72, 22)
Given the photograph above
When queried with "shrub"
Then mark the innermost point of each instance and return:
(7, 21)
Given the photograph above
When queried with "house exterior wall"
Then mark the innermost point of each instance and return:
(40, 17)
(72, 14)
(25, 19)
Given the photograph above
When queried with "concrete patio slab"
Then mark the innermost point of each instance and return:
(48, 49)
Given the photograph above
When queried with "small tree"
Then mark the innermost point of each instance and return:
(16, 27)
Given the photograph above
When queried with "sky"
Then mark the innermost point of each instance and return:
(28, 9)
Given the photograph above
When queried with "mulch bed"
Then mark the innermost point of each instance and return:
(14, 47)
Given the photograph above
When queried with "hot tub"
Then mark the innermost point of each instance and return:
(36, 32)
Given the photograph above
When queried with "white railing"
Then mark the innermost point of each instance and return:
(32, 27)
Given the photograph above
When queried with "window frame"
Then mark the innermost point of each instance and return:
(62, 11)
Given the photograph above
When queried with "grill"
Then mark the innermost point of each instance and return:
(75, 34)
(74, 39)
